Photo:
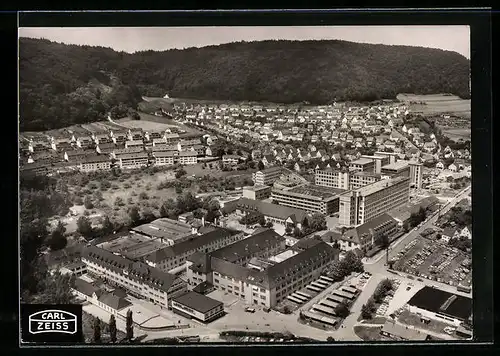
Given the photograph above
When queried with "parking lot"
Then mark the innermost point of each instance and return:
(435, 261)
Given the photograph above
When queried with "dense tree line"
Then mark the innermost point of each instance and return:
(64, 84)
(40, 198)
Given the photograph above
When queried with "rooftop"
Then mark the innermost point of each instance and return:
(249, 246)
(267, 209)
(313, 192)
(283, 256)
(362, 161)
(439, 301)
(191, 243)
(397, 166)
(198, 302)
(380, 185)
(133, 247)
(165, 228)
(256, 188)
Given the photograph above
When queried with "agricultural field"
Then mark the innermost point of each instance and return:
(456, 134)
(437, 104)
(151, 122)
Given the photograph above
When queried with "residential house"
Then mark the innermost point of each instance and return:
(449, 233)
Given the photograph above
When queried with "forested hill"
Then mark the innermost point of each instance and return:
(55, 89)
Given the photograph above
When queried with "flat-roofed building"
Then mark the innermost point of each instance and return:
(277, 214)
(309, 197)
(267, 176)
(94, 163)
(332, 178)
(380, 160)
(167, 230)
(135, 143)
(416, 170)
(361, 205)
(164, 158)
(360, 179)
(187, 157)
(393, 156)
(362, 165)
(439, 305)
(197, 306)
(396, 169)
(257, 192)
(133, 160)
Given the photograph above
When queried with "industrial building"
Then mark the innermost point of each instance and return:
(257, 192)
(197, 306)
(167, 230)
(342, 179)
(366, 235)
(136, 277)
(362, 165)
(259, 270)
(309, 197)
(361, 205)
(439, 305)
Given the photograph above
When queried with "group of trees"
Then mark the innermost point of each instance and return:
(461, 216)
(349, 264)
(208, 208)
(417, 217)
(41, 198)
(112, 330)
(63, 84)
(310, 224)
(384, 287)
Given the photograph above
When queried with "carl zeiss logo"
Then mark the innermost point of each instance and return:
(51, 323)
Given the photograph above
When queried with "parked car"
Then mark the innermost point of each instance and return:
(250, 310)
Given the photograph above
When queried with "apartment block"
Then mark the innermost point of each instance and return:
(267, 176)
(361, 205)
(133, 160)
(95, 163)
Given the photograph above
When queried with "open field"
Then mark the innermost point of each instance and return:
(457, 134)
(438, 104)
(148, 190)
(145, 125)
(370, 333)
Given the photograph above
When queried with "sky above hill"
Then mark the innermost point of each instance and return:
(132, 39)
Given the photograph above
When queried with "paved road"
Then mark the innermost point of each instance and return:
(377, 263)
(346, 330)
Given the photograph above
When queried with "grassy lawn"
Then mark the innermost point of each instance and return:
(376, 320)
(369, 333)
(414, 320)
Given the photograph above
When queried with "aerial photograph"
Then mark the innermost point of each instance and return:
(242, 185)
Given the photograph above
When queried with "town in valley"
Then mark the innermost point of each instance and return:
(209, 221)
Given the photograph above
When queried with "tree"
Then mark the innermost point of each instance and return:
(129, 326)
(134, 215)
(57, 240)
(342, 310)
(353, 262)
(163, 211)
(97, 330)
(87, 202)
(318, 222)
(260, 166)
(288, 230)
(107, 225)
(366, 310)
(181, 172)
(330, 339)
(297, 232)
(269, 224)
(112, 328)
(383, 242)
(262, 221)
(148, 215)
(84, 226)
